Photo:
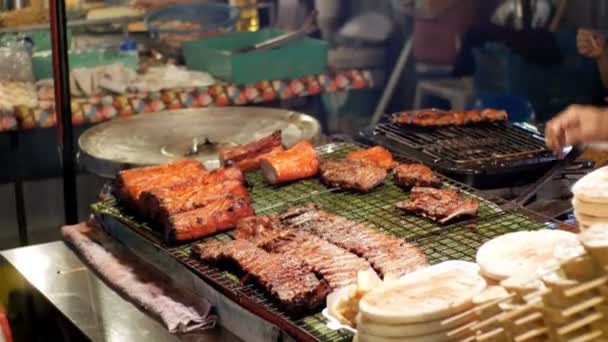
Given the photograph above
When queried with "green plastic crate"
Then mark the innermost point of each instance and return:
(42, 62)
(305, 56)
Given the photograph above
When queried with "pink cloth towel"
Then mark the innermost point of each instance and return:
(179, 310)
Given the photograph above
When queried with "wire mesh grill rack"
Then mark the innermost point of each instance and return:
(482, 144)
(458, 240)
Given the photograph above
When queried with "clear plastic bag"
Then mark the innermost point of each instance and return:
(16, 61)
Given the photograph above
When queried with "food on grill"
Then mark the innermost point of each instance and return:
(525, 253)
(343, 304)
(351, 174)
(248, 157)
(185, 192)
(253, 163)
(434, 117)
(441, 205)
(193, 194)
(388, 254)
(415, 306)
(299, 162)
(131, 183)
(216, 216)
(411, 175)
(376, 155)
(288, 280)
(334, 264)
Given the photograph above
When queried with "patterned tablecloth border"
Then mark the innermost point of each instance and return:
(101, 108)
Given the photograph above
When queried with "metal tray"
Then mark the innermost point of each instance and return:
(158, 138)
(459, 240)
(485, 155)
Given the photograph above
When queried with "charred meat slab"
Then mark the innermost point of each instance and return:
(408, 176)
(159, 203)
(352, 175)
(386, 253)
(333, 264)
(288, 280)
(131, 183)
(437, 118)
(165, 202)
(247, 157)
(376, 155)
(441, 205)
(299, 162)
(219, 215)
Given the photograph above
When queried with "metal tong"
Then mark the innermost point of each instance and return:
(523, 199)
(308, 27)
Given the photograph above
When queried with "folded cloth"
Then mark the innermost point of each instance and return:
(179, 310)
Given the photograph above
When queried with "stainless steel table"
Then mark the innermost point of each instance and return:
(100, 313)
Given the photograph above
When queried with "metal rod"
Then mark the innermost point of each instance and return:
(18, 188)
(392, 82)
(77, 23)
(62, 108)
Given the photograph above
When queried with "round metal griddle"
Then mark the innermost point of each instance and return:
(157, 138)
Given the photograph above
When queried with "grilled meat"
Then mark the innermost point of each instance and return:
(411, 175)
(131, 183)
(334, 264)
(440, 205)
(387, 254)
(299, 162)
(253, 163)
(350, 174)
(234, 154)
(433, 117)
(247, 157)
(164, 202)
(376, 155)
(216, 216)
(288, 280)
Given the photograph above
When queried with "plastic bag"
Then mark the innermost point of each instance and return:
(16, 60)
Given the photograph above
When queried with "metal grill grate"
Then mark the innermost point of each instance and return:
(482, 144)
(459, 240)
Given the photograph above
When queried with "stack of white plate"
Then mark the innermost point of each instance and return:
(418, 307)
(526, 254)
(591, 198)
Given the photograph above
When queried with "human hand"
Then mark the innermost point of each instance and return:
(577, 125)
(590, 43)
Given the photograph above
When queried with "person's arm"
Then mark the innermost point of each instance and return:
(577, 125)
(559, 15)
(602, 65)
(592, 44)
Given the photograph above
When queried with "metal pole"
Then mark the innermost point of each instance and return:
(393, 79)
(62, 108)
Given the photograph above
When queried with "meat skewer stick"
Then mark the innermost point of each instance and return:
(299, 162)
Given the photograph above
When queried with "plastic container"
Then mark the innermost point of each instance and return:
(299, 58)
(42, 63)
